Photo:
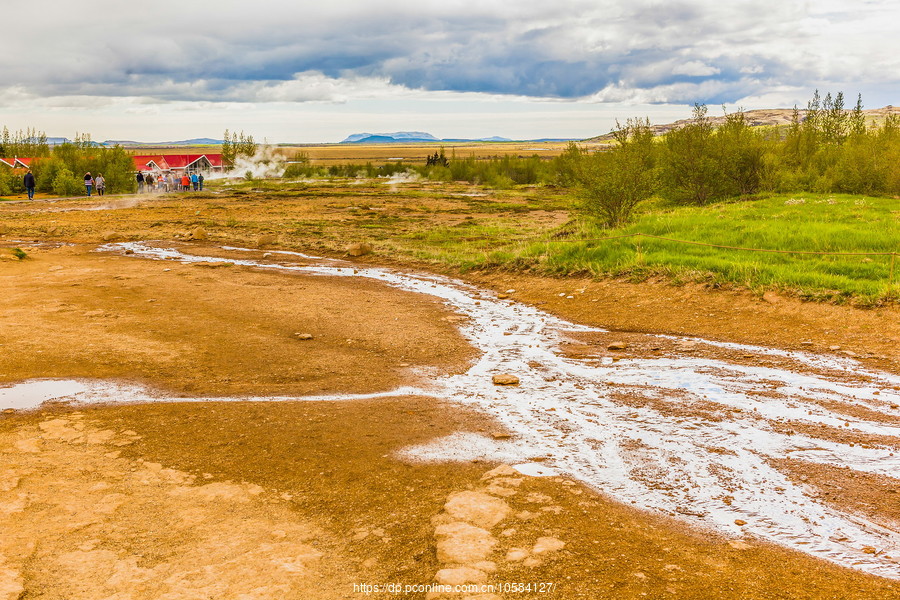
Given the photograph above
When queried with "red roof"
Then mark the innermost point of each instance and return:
(17, 162)
(176, 161)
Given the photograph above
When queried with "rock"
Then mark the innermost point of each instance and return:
(461, 543)
(617, 346)
(359, 249)
(771, 298)
(500, 435)
(544, 545)
(834, 348)
(869, 550)
(303, 336)
(267, 255)
(516, 554)
(477, 508)
(501, 471)
(510, 291)
(486, 565)
(198, 234)
(502, 296)
(109, 236)
(460, 575)
(739, 545)
(740, 522)
(806, 343)
(849, 353)
(532, 561)
(266, 239)
(505, 379)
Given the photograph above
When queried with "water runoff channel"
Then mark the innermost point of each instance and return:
(567, 416)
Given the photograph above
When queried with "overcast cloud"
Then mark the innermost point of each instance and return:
(94, 53)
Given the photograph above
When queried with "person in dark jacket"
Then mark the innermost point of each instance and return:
(140, 181)
(28, 180)
(200, 181)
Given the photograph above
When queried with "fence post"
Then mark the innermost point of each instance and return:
(893, 260)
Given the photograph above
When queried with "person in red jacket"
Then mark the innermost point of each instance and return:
(185, 182)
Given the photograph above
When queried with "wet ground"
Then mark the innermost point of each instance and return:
(757, 471)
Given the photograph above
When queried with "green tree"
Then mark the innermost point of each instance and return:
(613, 182)
(690, 168)
(65, 183)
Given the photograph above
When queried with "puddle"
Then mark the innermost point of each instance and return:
(570, 413)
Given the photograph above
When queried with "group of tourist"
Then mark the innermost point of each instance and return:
(160, 182)
(89, 182)
(146, 182)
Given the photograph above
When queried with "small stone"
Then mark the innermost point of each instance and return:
(500, 435)
(460, 576)
(739, 545)
(544, 545)
(462, 543)
(267, 255)
(505, 379)
(502, 296)
(109, 236)
(510, 291)
(806, 343)
(198, 234)
(740, 522)
(303, 336)
(771, 298)
(516, 554)
(359, 249)
(834, 348)
(869, 550)
(501, 471)
(477, 508)
(617, 346)
(266, 239)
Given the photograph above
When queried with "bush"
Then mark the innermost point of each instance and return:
(613, 182)
(65, 183)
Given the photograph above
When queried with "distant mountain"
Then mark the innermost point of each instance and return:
(410, 136)
(387, 138)
(191, 142)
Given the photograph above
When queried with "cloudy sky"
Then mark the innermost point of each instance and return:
(303, 71)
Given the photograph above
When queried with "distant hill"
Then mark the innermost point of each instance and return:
(415, 136)
(387, 138)
(191, 142)
(765, 117)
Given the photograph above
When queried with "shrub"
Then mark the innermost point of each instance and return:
(65, 183)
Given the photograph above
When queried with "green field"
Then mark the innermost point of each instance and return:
(799, 222)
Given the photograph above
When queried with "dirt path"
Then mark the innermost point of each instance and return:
(228, 479)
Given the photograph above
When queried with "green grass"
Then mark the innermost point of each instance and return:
(804, 222)
(503, 237)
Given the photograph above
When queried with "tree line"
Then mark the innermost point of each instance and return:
(60, 170)
(826, 149)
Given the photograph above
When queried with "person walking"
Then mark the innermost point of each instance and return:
(195, 181)
(100, 182)
(140, 182)
(200, 179)
(88, 183)
(185, 182)
(28, 180)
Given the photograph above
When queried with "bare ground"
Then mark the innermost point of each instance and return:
(305, 499)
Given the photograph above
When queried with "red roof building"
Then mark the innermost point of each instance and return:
(16, 163)
(179, 163)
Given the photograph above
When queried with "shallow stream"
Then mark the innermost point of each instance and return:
(711, 466)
